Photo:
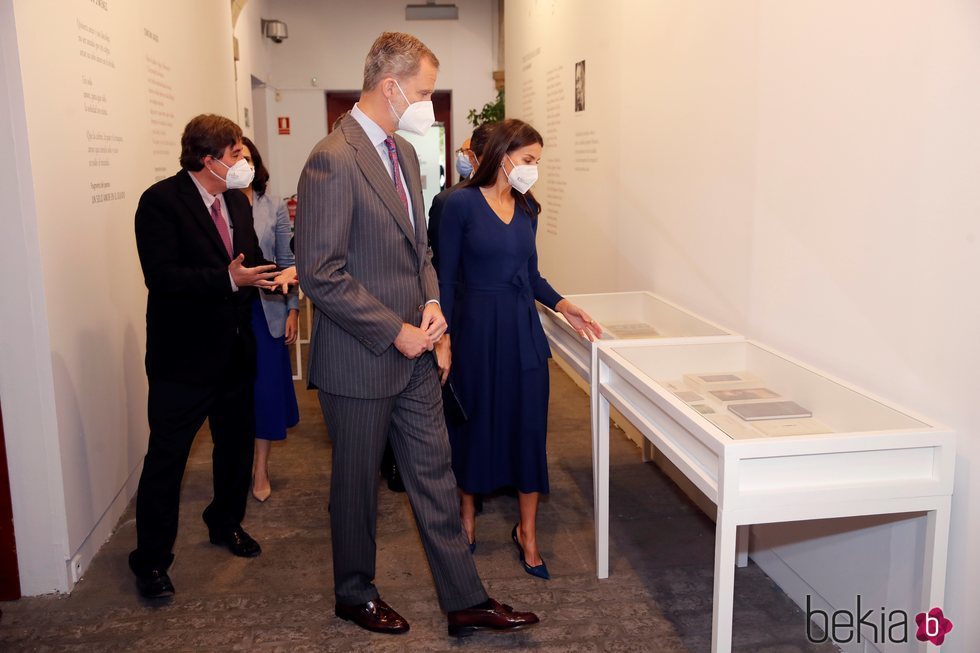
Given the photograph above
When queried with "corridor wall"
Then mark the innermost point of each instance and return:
(803, 173)
(96, 94)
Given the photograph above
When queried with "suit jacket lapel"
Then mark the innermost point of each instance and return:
(192, 199)
(413, 186)
(377, 175)
(239, 222)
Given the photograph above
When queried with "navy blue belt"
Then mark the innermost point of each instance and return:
(532, 346)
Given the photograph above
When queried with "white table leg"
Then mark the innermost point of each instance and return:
(298, 376)
(721, 618)
(934, 567)
(647, 449)
(742, 546)
(601, 489)
(594, 414)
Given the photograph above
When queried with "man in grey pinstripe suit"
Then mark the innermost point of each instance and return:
(364, 260)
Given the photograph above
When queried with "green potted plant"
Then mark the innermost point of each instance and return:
(491, 112)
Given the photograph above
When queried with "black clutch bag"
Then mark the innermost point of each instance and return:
(451, 405)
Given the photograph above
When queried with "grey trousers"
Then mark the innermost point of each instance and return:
(358, 429)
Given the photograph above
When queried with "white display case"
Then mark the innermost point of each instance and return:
(867, 457)
(637, 316)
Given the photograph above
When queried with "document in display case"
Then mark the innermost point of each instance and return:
(819, 449)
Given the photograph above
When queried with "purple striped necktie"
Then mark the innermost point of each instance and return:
(399, 187)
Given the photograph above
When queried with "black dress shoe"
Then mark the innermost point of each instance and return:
(154, 584)
(237, 540)
(395, 483)
(389, 469)
(489, 616)
(376, 616)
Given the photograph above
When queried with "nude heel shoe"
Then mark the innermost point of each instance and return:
(262, 495)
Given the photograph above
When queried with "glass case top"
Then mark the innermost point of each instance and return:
(635, 315)
(751, 392)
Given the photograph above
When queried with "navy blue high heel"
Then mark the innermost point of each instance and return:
(539, 571)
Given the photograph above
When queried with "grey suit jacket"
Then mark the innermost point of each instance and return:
(361, 262)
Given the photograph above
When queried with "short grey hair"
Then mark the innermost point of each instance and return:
(395, 54)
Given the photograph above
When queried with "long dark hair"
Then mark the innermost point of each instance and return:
(505, 137)
(261, 179)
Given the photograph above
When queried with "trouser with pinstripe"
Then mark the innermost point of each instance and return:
(358, 430)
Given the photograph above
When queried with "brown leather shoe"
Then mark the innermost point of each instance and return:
(376, 616)
(463, 623)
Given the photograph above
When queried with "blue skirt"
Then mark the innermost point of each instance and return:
(275, 398)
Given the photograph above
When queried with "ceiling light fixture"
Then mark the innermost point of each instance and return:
(431, 11)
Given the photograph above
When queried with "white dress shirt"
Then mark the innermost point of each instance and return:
(377, 135)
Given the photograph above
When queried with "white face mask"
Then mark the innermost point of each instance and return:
(521, 177)
(239, 175)
(417, 118)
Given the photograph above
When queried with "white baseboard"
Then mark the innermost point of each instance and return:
(796, 587)
(80, 560)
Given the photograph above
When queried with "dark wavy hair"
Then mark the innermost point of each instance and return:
(478, 141)
(261, 180)
(505, 137)
(206, 134)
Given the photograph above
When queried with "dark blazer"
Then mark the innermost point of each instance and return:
(361, 262)
(192, 315)
(435, 217)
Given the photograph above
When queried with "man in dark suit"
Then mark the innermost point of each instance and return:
(201, 262)
(363, 259)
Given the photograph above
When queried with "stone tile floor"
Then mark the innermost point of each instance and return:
(657, 598)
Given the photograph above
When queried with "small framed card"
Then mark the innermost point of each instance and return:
(736, 429)
(705, 382)
(743, 394)
(769, 410)
(626, 330)
(688, 396)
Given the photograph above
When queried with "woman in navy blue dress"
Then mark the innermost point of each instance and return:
(489, 281)
(275, 322)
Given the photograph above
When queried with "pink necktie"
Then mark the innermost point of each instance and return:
(393, 155)
(221, 225)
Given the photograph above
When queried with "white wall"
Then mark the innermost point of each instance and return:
(26, 387)
(579, 162)
(254, 59)
(73, 384)
(329, 39)
(307, 113)
(804, 173)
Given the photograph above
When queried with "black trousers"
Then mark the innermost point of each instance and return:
(176, 412)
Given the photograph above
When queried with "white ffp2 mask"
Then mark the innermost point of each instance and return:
(239, 175)
(522, 177)
(417, 118)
